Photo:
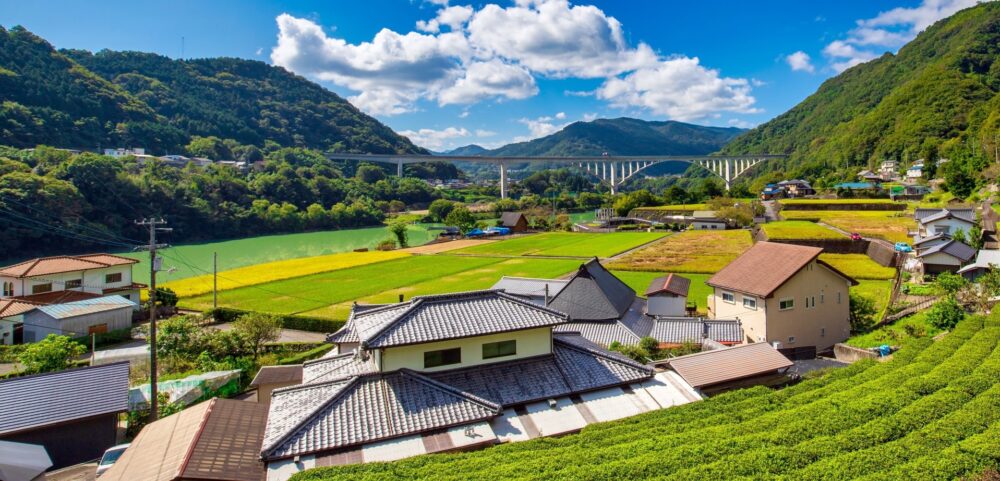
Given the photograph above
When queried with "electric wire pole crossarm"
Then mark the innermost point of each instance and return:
(153, 268)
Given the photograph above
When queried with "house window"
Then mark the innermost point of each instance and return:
(786, 304)
(8, 289)
(941, 229)
(728, 297)
(499, 349)
(791, 339)
(40, 288)
(443, 357)
(822, 296)
(822, 332)
(750, 303)
(73, 284)
(838, 298)
(112, 278)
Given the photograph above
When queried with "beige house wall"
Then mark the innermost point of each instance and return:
(822, 325)
(530, 343)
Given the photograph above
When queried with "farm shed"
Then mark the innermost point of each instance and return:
(947, 257)
(515, 221)
(73, 413)
(78, 318)
(218, 439)
(723, 369)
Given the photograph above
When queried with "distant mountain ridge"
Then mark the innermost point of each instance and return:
(621, 136)
(79, 99)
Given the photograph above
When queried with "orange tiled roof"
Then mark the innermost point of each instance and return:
(13, 307)
(58, 264)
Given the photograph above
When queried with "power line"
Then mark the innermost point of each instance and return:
(153, 267)
(95, 231)
(37, 226)
(44, 225)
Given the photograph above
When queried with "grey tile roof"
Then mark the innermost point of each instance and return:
(934, 237)
(363, 409)
(575, 366)
(931, 214)
(529, 287)
(594, 294)
(445, 316)
(953, 248)
(680, 330)
(39, 400)
(336, 367)
(601, 332)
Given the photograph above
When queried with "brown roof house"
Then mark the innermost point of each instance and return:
(667, 295)
(785, 295)
(739, 366)
(53, 280)
(515, 221)
(452, 372)
(218, 439)
(269, 378)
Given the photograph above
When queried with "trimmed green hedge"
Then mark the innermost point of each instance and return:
(288, 321)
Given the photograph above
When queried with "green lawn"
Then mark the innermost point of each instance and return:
(859, 266)
(566, 244)
(330, 294)
(895, 333)
(875, 290)
(639, 281)
(258, 250)
(799, 229)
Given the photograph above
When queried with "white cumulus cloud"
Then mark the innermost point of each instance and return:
(435, 139)
(467, 54)
(679, 88)
(800, 62)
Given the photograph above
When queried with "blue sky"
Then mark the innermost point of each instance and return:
(490, 73)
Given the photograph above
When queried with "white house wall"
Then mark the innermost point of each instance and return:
(666, 305)
(530, 343)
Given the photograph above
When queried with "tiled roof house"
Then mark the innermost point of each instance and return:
(451, 372)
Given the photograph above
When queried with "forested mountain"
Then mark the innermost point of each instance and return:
(76, 99)
(937, 97)
(624, 136)
(471, 149)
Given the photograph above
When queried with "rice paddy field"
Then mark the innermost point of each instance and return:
(692, 251)
(197, 258)
(834, 201)
(799, 229)
(883, 224)
(330, 294)
(929, 413)
(565, 244)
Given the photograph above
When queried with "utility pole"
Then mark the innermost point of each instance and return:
(215, 280)
(153, 267)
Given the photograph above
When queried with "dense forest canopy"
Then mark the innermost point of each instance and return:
(938, 97)
(77, 99)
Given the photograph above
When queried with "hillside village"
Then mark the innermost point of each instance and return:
(219, 269)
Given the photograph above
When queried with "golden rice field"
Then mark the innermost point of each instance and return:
(858, 266)
(888, 225)
(702, 251)
(279, 270)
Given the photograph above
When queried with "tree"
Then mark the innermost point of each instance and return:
(950, 283)
(946, 313)
(369, 174)
(975, 237)
(398, 229)
(54, 353)
(462, 218)
(959, 235)
(166, 297)
(862, 313)
(257, 329)
(439, 209)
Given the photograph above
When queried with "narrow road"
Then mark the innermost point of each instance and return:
(770, 212)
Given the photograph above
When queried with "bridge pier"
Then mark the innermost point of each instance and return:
(503, 180)
(614, 182)
(399, 168)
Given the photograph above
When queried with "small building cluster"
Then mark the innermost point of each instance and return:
(66, 295)
(787, 189)
(178, 161)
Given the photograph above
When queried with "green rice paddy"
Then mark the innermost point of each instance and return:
(565, 244)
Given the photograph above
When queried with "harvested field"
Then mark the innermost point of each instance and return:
(699, 251)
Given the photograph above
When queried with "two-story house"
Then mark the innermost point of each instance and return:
(785, 295)
(53, 280)
(452, 372)
(931, 222)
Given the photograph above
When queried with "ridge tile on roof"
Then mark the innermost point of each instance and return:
(765, 267)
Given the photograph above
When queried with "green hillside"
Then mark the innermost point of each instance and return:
(930, 413)
(624, 136)
(936, 97)
(76, 99)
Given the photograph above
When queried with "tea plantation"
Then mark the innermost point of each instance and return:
(930, 413)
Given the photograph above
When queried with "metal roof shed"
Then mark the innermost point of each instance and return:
(711, 370)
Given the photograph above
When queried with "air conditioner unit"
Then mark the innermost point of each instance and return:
(776, 344)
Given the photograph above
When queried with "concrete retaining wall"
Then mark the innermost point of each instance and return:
(845, 353)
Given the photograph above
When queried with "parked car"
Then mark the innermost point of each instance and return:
(903, 247)
(109, 458)
(855, 236)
